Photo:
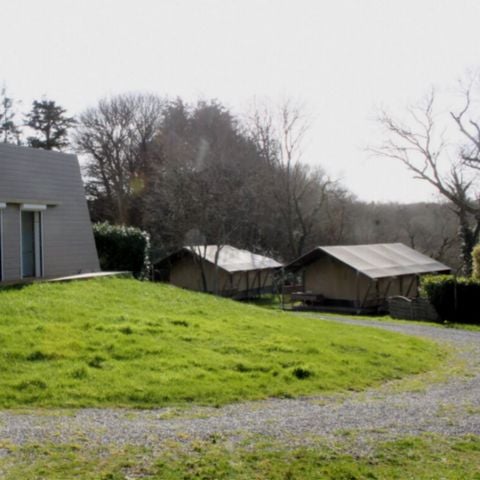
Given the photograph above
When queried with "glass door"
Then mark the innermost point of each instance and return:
(28, 244)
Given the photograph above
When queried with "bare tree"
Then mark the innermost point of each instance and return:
(421, 145)
(299, 192)
(337, 219)
(116, 136)
(468, 124)
(10, 132)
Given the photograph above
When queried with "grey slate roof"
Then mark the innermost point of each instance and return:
(377, 260)
(233, 259)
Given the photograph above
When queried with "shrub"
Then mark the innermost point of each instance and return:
(476, 262)
(123, 248)
(454, 299)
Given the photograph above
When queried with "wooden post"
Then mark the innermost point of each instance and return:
(357, 290)
(366, 294)
(414, 278)
(388, 287)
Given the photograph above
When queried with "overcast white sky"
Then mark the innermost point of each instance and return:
(341, 57)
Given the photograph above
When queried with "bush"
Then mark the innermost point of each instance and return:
(123, 248)
(476, 262)
(454, 299)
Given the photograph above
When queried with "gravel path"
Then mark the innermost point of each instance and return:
(451, 407)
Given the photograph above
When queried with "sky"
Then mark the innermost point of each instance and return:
(343, 59)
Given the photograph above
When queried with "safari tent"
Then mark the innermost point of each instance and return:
(220, 269)
(45, 229)
(362, 276)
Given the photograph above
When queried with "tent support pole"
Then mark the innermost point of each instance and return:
(388, 287)
(366, 293)
(357, 290)
(414, 278)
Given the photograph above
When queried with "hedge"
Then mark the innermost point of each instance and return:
(476, 262)
(455, 299)
(123, 248)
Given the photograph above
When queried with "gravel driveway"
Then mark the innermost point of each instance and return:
(450, 407)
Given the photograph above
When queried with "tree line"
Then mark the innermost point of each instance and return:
(45, 125)
(195, 173)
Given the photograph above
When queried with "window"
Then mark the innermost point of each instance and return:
(31, 240)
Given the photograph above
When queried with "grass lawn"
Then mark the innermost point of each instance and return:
(120, 342)
(422, 458)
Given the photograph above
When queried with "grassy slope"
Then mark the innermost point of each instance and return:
(122, 342)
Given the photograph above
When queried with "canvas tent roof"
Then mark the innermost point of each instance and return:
(230, 258)
(377, 260)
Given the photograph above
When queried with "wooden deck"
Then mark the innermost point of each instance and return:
(308, 301)
(334, 309)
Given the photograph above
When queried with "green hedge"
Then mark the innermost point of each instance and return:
(123, 248)
(476, 262)
(454, 299)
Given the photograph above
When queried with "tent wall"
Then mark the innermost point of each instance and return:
(254, 279)
(186, 273)
(335, 280)
(406, 286)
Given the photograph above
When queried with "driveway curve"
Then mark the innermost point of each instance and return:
(450, 407)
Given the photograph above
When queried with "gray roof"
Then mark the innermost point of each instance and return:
(378, 260)
(233, 259)
(33, 175)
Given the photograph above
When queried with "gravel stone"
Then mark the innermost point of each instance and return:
(451, 407)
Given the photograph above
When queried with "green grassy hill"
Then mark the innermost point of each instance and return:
(120, 342)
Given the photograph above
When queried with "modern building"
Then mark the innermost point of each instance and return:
(220, 269)
(362, 276)
(45, 229)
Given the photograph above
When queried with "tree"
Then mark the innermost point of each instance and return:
(9, 130)
(205, 179)
(117, 136)
(421, 145)
(194, 173)
(50, 124)
(299, 192)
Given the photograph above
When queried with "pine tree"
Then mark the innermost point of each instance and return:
(50, 124)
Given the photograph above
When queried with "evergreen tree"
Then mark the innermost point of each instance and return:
(50, 123)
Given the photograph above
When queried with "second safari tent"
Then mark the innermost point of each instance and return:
(363, 276)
